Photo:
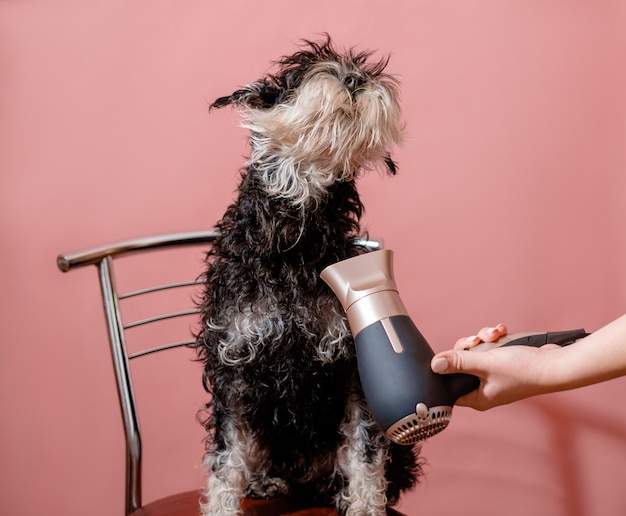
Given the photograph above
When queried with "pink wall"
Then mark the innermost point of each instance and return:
(509, 206)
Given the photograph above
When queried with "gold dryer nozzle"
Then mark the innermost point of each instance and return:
(366, 288)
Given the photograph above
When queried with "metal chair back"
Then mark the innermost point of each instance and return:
(105, 258)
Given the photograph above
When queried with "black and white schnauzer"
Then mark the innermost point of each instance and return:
(287, 414)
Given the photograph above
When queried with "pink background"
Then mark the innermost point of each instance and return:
(509, 207)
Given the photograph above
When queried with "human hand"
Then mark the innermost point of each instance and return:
(506, 374)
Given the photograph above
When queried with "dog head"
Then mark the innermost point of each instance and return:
(322, 117)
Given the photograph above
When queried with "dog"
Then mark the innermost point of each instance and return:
(287, 416)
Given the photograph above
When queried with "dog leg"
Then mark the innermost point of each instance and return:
(364, 471)
(228, 474)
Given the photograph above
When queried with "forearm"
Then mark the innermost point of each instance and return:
(599, 357)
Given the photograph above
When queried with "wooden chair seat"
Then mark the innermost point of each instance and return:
(187, 504)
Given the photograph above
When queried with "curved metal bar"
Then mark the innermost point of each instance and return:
(163, 317)
(372, 244)
(165, 347)
(65, 262)
(158, 288)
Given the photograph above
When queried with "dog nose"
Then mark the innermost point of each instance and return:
(353, 81)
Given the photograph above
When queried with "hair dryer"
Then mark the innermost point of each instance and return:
(407, 400)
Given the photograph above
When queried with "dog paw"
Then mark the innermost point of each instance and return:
(267, 487)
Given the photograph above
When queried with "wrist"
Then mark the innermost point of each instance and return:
(552, 371)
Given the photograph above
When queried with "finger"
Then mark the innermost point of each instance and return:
(492, 333)
(489, 334)
(440, 364)
(457, 361)
(467, 342)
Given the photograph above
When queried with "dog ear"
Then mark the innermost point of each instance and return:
(391, 165)
(259, 95)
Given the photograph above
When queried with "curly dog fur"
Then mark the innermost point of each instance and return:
(287, 414)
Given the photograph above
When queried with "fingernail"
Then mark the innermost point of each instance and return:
(490, 330)
(439, 365)
(472, 338)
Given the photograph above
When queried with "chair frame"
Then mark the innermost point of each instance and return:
(103, 257)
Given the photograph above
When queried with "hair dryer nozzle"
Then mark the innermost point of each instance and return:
(366, 288)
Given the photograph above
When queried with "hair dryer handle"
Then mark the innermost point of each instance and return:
(460, 384)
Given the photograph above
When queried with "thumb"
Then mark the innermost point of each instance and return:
(458, 361)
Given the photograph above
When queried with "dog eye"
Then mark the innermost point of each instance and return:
(352, 81)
